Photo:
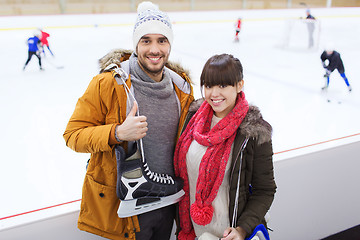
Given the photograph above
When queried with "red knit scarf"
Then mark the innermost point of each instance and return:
(212, 167)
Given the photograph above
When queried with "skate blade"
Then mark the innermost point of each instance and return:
(128, 208)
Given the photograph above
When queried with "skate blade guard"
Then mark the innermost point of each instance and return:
(259, 233)
(128, 208)
(141, 190)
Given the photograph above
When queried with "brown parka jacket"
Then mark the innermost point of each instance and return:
(257, 183)
(103, 106)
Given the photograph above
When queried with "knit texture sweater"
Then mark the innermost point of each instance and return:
(157, 101)
(220, 220)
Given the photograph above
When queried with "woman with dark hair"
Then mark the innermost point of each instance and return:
(224, 157)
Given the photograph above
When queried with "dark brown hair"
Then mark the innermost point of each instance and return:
(223, 69)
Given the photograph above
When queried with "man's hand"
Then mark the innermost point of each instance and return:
(133, 128)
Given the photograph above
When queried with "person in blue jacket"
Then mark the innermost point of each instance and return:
(331, 60)
(33, 43)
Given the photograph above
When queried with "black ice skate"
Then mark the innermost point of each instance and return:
(141, 190)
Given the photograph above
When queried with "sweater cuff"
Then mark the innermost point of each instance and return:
(112, 139)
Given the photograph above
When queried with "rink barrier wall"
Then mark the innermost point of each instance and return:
(317, 196)
(178, 22)
(318, 192)
(41, 7)
(40, 209)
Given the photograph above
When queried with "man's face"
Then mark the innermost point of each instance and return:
(153, 52)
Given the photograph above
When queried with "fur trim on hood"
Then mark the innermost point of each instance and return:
(116, 56)
(253, 125)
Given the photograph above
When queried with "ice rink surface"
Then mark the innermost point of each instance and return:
(38, 170)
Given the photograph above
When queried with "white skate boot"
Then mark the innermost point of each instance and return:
(141, 190)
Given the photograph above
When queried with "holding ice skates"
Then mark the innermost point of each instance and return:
(129, 119)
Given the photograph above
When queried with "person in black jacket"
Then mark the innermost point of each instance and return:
(224, 155)
(331, 60)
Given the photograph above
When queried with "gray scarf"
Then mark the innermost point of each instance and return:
(157, 101)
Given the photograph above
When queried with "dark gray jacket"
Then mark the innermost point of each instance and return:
(335, 61)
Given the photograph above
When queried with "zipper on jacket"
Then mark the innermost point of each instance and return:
(242, 148)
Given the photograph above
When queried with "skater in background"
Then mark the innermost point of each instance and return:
(105, 118)
(237, 29)
(33, 48)
(310, 22)
(331, 60)
(44, 41)
(225, 140)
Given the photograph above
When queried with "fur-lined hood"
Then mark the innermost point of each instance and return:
(117, 56)
(253, 125)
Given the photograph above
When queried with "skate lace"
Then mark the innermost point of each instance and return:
(157, 177)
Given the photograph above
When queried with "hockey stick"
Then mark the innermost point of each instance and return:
(52, 64)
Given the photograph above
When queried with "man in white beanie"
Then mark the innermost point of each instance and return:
(138, 101)
(152, 29)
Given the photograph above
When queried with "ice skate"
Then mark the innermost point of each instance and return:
(349, 88)
(141, 190)
(326, 86)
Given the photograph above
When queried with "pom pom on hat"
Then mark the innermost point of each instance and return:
(147, 5)
(150, 20)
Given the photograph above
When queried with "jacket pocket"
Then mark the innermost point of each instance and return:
(99, 207)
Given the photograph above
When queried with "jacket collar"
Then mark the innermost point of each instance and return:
(116, 56)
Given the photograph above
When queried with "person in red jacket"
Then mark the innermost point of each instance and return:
(44, 41)
(237, 29)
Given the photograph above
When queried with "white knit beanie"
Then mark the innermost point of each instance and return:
(150, 20)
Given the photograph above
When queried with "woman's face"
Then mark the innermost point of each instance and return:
(222, 99)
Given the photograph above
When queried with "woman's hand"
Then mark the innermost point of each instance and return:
(237, 233)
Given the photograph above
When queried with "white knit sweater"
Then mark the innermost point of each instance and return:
(220, 220)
